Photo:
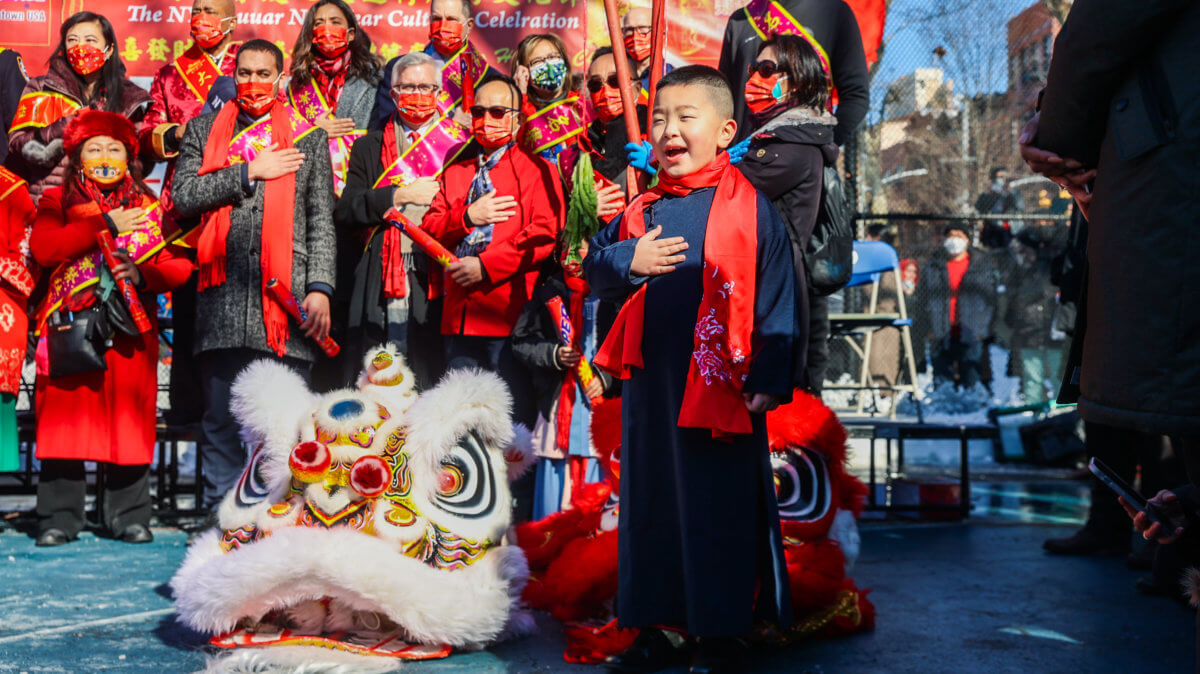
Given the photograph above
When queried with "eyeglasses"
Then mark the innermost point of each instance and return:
(628, 31)
(765, 68)
(543, 59)
(595, 84)
(414, 88)
(495, 112)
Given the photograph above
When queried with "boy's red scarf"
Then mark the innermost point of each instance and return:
(394, 283)
(721, 350)
(277, 228)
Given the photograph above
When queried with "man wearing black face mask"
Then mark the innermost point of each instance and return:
(959, 287)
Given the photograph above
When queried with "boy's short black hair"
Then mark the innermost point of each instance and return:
(703, 76)
(260, 45)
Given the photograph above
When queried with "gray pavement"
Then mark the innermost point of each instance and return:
(950, 598)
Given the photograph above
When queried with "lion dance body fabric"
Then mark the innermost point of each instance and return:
(573, 554)
(369, 522)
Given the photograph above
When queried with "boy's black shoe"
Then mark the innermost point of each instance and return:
(718, 655)
(651, 651)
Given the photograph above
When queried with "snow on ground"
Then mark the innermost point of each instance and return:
(944, 405)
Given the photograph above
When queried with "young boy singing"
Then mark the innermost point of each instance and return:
(703, 264)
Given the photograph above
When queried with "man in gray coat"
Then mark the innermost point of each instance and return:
(230, 320)
(1120, 126)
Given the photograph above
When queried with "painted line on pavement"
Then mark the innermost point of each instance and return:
(90, 623)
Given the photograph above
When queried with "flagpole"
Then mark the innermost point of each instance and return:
(628, 101)
(658, 45)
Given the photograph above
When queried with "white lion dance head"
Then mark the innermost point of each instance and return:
(368, 522)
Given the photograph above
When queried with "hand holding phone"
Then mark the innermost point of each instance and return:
(1160, 518)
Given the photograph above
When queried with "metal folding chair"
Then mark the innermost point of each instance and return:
(873, 259)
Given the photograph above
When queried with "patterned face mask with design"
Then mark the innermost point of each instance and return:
(548, 75)
(206, 30)
(104, 171)
(86, 59)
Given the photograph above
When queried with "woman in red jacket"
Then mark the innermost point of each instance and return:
(16, 282)
(106, 415)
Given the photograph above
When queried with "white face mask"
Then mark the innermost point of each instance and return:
(955, 246)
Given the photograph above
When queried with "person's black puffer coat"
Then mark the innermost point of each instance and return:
(786, 161)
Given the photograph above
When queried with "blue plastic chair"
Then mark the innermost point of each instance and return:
(873, 259)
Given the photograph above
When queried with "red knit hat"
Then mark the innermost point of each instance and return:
(91, 123)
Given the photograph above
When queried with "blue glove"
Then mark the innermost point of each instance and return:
(736, 152)
(640, 156)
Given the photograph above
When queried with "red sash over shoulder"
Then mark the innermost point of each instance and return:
(721, 348)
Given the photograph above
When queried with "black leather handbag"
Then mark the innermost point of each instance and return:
(76, 341)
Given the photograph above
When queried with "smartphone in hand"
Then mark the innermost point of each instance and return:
(1169, 522)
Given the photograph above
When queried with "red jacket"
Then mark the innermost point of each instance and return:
(107, 415)
(518, 248)
(173, 103)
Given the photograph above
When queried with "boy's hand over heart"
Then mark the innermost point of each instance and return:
(654, 256)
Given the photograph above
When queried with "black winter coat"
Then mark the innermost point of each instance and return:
(976, 296)
(786, 161)
(1031, 304)
(1122, 96)
(535, 341)
(359, 307)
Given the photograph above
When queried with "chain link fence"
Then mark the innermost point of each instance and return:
(955, 83)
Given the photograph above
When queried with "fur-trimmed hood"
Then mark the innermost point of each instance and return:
(804, 126)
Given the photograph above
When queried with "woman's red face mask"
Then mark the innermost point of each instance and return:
(331, 40)
(764, 93)
(86, 59)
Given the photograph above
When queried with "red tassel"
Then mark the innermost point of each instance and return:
(212, 273)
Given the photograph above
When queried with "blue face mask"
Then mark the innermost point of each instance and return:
(549, 74)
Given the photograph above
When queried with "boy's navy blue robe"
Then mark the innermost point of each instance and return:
(699, 526)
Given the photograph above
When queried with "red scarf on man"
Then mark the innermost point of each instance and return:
(578, 289)
(394, 283)
(721, 351)
(277, 229)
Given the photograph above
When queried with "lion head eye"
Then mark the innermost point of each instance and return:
(466, 484)
(450, 480)
(802, 485)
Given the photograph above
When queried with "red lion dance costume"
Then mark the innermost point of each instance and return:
(573, 554)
